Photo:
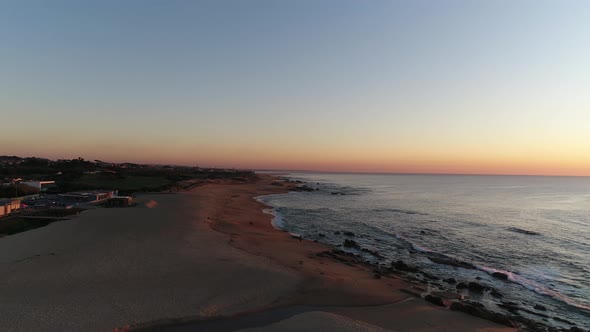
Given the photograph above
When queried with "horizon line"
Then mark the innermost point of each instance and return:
(415, 173)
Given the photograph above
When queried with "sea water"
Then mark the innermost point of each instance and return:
(534, 229)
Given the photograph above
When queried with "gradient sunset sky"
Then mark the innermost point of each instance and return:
(494, 87)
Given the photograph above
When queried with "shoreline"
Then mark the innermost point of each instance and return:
(334, 283)
(450, 293)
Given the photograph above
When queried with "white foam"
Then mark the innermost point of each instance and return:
(277, 220)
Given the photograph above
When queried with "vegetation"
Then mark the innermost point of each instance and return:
(11, 191)
(79, 174)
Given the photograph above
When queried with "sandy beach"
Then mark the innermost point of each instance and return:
(181, 258)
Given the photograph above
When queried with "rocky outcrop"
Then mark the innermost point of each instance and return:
(475, 287)
(500, 275)
(434, 299)
(478, 310)
(373, 253)
(351, 244)
(540, 307)
(461, 285)
(496, 294)
(401, 266)
(302, 188)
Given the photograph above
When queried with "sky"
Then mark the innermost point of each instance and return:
(474, 87)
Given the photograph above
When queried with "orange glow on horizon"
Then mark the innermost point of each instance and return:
(335, 162)
(338, 156)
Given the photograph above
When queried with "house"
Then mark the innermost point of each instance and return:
(8, 206)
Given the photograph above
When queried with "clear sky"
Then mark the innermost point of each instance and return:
(386, 86)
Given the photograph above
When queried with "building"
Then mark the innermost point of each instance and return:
(88, 197)
(120, 201)
(41, 185)
(7, 207)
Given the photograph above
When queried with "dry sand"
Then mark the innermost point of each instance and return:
(194, 255)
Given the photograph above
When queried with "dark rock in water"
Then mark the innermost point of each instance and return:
(482, 312)
(536, 313)
(496, 294)
(522, 231)
(322, 235)
(500, 275)
(400, 265)
(461, 285)
(434, 299)
(337, 232)
(348, 233)
(446, 295)
(473, 303)
(478, 278)
(372, 252)
(576, 329)
(475, 287)
(451, 281)
(509, 306)
(429, 276)
(351, 244)
(302, 188)
(540, 307)
(422, 232)
(440, 259)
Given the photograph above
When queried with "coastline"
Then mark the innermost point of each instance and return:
(160, 265)
(337, 285)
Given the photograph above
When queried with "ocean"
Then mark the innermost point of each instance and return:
(534, 229)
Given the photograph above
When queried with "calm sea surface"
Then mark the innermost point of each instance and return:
(535, 229)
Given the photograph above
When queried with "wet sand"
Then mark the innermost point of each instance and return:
(178, 259)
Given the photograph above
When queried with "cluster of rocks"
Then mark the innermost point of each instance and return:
(348, 243)
(457, 302)
(303, 188)
(450, 295)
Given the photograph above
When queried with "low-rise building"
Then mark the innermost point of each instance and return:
(9, 206)
(120, 201)
(88, 197)
(41, 185)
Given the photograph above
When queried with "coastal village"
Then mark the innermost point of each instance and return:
(36, 191)
(28, 202)
(47, 198)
